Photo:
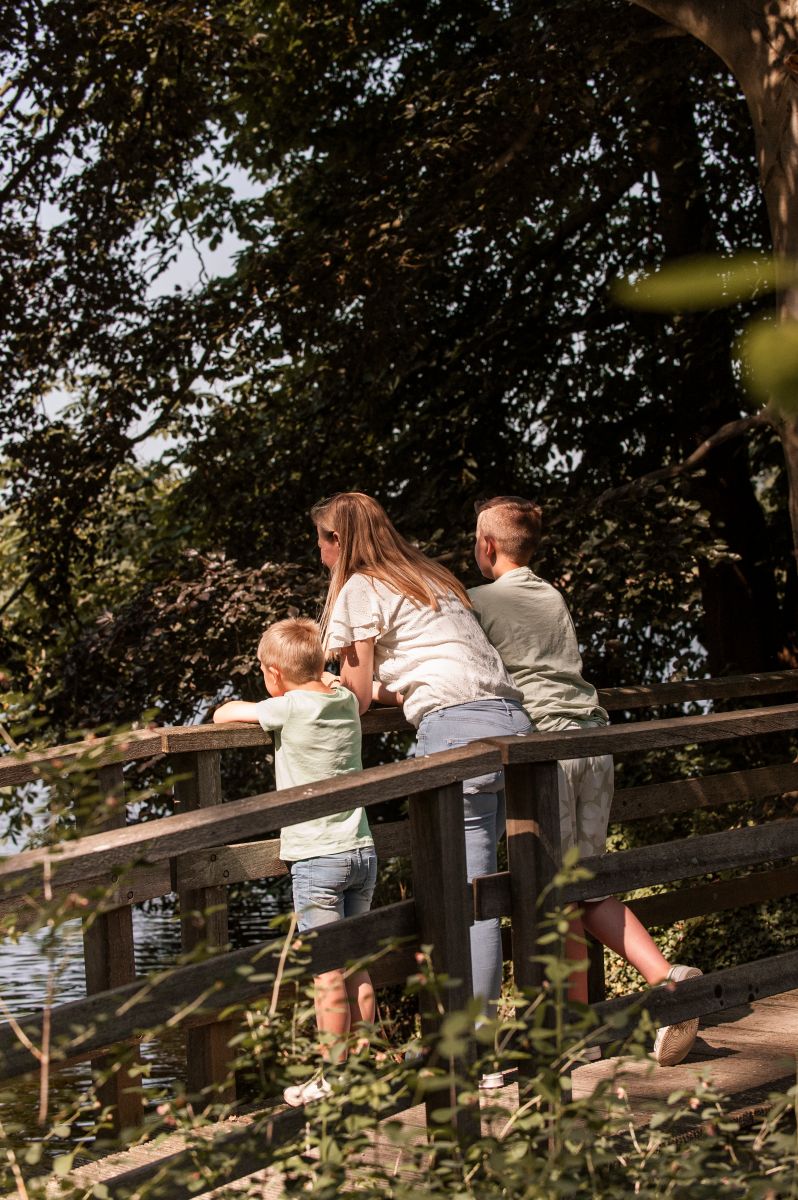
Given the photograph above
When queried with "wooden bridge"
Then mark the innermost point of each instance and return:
(208, 845)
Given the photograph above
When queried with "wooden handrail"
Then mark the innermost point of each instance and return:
(645, 735)
(80, 1028)
(141, 744)
(663, 862)
(153, 841)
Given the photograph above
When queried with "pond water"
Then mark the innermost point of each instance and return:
(34, 961)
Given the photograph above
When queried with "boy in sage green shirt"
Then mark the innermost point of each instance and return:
(528, 622)
(316, 728)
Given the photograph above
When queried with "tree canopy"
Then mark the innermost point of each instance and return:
(427, 205)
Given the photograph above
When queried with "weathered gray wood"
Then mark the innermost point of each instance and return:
(384, 720)
(203, 926)
(110, 962)
(665, 861)
(438, 857)
(754, 888)
(152, 841)
(661, 863)
(103, 893)
(534, 857)
(712, 993)
(231, 1157)
(706, 791)
(144, 743)
(83, 1027)
(130, 747)
(727, 687)
(646, 735)
(224, 865)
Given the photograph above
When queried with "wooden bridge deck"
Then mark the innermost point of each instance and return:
(746, 1054)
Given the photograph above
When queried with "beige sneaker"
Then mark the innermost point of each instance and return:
(316, 1088)
(674, 1042)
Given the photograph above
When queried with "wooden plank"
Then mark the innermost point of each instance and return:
(110, 962)
(712, 993)
(534, 857)
(143, 743)
(438, 858)
(203, 927)
(153, 841)
(105, 892)
(661, 863)
(646, 735)
(754, 888)
(97, 752)
(765, 683)
(665, 861)
(384, 720)
(185, 739)
(81, 1028)
(231, 1156)
(706, 791)
(224, 865)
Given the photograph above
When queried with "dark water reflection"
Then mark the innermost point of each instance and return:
(27, 964)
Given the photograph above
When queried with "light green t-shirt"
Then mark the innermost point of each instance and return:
(316, 735)
(528, 622)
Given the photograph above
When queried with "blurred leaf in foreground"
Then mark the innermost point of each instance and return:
(706, 281)
(769, 352)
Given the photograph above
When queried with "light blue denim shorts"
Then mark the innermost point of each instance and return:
(333, 886)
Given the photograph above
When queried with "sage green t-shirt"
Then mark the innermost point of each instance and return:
(528, 622)
(316, 735)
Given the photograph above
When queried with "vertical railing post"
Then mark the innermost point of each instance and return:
(203, 922)
(533, 858)
(110, 962)
(445, 911)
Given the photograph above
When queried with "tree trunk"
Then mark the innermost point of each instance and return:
(743, 626)
(759, 44)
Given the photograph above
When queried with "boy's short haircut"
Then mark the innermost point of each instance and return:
(514, 524)
(293, 645)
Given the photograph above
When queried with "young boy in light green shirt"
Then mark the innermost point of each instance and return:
(528, 622)
(316, 727)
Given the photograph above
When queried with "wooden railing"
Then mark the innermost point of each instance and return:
(207, 846)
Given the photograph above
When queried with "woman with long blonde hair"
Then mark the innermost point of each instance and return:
(405, 634)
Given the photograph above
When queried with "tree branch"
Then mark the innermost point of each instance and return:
(726, 432)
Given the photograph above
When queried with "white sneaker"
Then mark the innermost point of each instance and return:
(298, 1094)
(491, 1081)
(674, 1042)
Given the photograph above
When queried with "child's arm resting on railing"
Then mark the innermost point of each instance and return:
(236, 710)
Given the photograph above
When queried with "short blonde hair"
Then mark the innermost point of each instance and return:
(294, 646)
(514, 524)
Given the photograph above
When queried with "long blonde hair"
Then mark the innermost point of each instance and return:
(370, 545)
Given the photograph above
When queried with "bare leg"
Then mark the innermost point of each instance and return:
(362, 1006)
(332, 1014)
(615, 925)
(576, 952)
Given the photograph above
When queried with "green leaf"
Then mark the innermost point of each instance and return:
(769, 351)
(706, 281)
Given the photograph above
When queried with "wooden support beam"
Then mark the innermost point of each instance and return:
(534, 857)
(443, 908)
(110, 962)
(203, 927)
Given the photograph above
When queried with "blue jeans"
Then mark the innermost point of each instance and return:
(483, 805)
(333, 886)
